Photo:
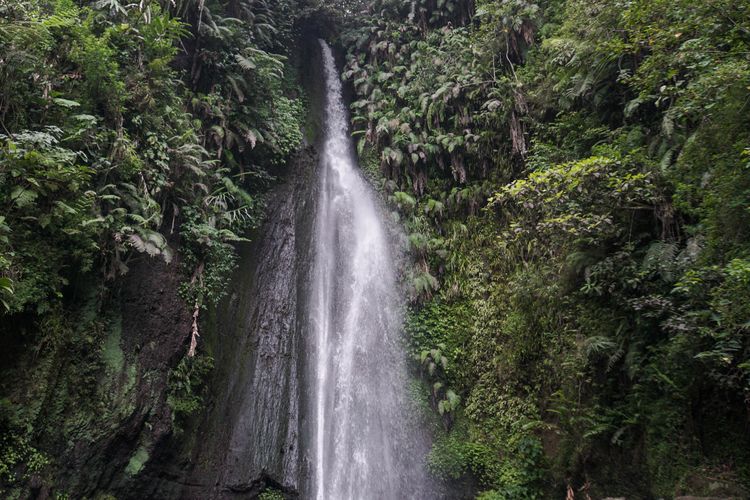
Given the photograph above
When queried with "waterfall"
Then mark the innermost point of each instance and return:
(365, 443)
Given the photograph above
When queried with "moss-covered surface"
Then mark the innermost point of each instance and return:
(80, 409)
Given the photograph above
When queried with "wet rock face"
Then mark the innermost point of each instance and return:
(147, 338)
(249, 436)
(97, 397)
(100, 398)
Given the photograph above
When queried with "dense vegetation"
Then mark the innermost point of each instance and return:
(127, 131)
(107, 140)
(573, 177)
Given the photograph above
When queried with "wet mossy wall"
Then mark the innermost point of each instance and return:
(84, 393)
(88, 408)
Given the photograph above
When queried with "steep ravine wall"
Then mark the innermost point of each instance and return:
(249, 436)
(95, 387)
(90, 384)
(246, 438)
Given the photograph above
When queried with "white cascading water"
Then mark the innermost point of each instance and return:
(366, 442)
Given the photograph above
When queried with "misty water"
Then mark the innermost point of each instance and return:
(366, 442)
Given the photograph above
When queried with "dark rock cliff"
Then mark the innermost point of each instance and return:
(94, 386)
(247, 438)
(90, 384)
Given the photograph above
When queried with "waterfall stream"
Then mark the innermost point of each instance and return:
(365, 442)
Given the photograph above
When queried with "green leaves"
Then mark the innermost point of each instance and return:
(152, 243)
(6, 290)
(435, 363)
(606, 280)
(65, 103)
(107, 152)
(268, 65)
(450, 403)
(571, 204)
(403, 200)
(421, 110)
(187, 387)
(22, 197)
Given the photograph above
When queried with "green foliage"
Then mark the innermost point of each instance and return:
(407, 96)
(572, 178)
(186, 384)
(516, 474)
(271, 494)
(105, 146)
(584, 204)
(44, 190)
(128, 131)
(70, 395)
(19, 459)
(452, 457)
(598, 304)
(16, 450)
(137, 462)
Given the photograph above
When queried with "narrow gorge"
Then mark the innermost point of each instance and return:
(310, 395)
(353, 249)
